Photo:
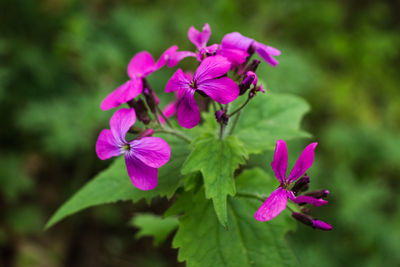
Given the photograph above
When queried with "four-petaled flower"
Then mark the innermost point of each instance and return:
(141, 65)
(207, 79)
(235, 40)
(277, 201)
(142, 156)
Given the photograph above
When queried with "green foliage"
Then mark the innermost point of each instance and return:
(114, 184)
(268, 118)
(202, 241)
(216, 159)
(152, 225)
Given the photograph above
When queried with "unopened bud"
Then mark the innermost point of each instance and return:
(322, 225)
(301, 185)
(318, 193)
(246, 83)
(252, 66)
(305, 210)
(146, 133)
(303, 218)
(222, 117)
(148, 94)
(141, 110)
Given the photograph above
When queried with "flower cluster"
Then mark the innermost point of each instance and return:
(223, 72)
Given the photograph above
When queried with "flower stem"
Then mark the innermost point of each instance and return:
(241, 106)
(234, 124)
(163, 116)
(262, 199)
(221, 131)
(176, 133)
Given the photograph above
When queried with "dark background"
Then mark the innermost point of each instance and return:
(59, 58)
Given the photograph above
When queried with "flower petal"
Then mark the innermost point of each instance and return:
(120, 122)
(107, 146)
(165, 57)
(279, 165)
(236, 41)
(178, 56)
(199, 39)
(141, 64)
(274, 205)
(211, 67)
(303, 163)
(178, 81)
(142, 176)
(152, 151)
(188, 111)
(168, 111)
(307, 199)
(223, 90)
(266, 53)
(123, 94)
(235, 56)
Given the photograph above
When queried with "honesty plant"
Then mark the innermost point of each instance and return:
(202, 156)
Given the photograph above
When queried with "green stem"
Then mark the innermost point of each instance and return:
(240, 108)
(234, 124)
(163, 116)
(176, 133)
(262, 199)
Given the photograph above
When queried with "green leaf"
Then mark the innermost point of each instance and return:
(202, 241)
(155, 226)
(217, 160)
(268, 118)
(114, 184)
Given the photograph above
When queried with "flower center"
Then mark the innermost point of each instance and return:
(126, 147)
(193, 84)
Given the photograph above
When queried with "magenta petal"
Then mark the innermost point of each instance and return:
(266, 53)
(211, 67)
(123, 94)
(235, 56)
(165, 57)
(322, 225)
(303, 163)
(141, 65)
(178, 56)
(107, 146)
(223, 90)
(168, 111)
(199, 39)
(307, 199)
(152, 151)
(274, 205)
(120, 122)
(142, 176)
(178, 81)
(279, 165)
(236, 41)
(188, 111)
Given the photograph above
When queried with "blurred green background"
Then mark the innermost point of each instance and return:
(59, 58)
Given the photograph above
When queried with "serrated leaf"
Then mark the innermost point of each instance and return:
(268, 118)
(202, 241)
(113, 184)
(217, 160)
(156, 226)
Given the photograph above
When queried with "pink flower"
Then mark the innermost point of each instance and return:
(141, 65)
(142, 156)
(277, 201)
(235, 40)
(200, 39)
(223, 90)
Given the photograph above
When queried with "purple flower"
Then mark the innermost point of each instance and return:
(141, 65)
(310, 221)
(277, 201)
(200, 39)
(223, 90)
(142, 156)
(235, 40)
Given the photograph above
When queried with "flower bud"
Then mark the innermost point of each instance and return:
(301, 185)
(322, 225)
(222, 117)
(318, 193)
(145, 133)
(252, 66)
(303, 218)
(246, 83)
(141, 110)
